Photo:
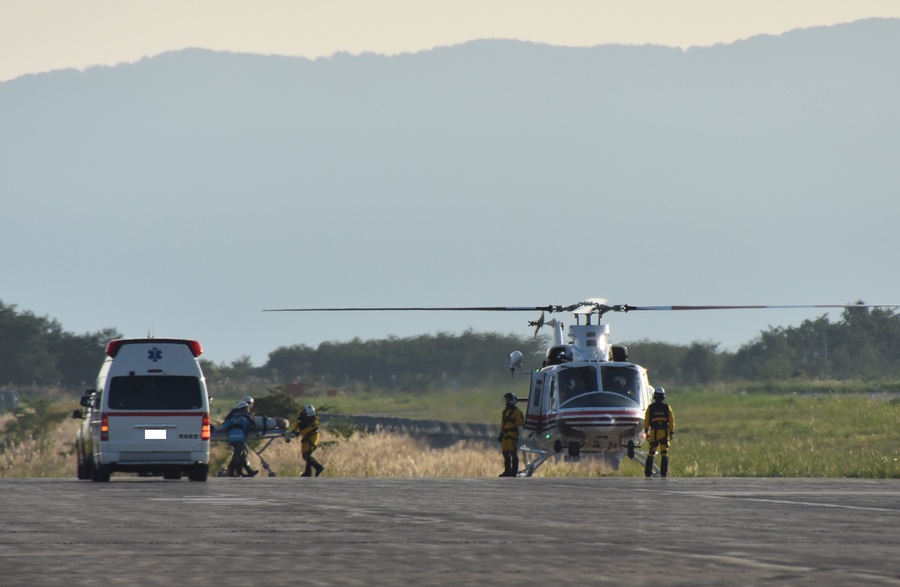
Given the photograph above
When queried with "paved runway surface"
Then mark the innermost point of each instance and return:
(538, 531)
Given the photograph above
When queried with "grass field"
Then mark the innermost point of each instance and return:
(758, 435)
(722, 433)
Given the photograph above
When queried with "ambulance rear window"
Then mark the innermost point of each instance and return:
(155, 392)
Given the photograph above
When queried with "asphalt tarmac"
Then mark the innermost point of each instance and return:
(377, 531)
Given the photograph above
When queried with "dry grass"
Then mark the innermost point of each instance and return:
(363, 455)
(29, 459)
(379, 455)
(391, 455)
(777, 436)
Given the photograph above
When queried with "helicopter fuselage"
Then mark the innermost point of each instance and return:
(586, 407)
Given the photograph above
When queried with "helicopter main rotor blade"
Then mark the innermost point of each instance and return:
(586, 307)
(428, 309)
(627, 308)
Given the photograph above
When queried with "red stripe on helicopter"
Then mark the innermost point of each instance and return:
(602, 419)
(573, 413)
(587, 418)
(154, 414)
(584, 412)
(601, 422)
(599, 417)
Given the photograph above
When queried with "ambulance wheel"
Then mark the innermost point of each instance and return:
(101, 474)
(200, 473)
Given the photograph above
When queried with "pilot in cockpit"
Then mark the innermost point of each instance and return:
(620, 386)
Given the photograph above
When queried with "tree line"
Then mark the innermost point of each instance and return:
(37, 351)
(863, 344)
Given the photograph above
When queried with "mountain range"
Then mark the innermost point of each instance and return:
(182, 194)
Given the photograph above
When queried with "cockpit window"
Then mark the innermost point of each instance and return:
(621, 380)
(575, 381)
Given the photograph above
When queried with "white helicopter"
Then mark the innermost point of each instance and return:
(587, 397)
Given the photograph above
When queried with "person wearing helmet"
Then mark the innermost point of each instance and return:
(659, 425)
(238, 426)
(307, 428)
(247, 400)
(510, 422)
(248, 409)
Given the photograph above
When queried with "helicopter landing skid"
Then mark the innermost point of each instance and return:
(532, 465)
(642, 459)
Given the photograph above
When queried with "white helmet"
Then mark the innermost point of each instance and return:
(248, 399)
(309, 411)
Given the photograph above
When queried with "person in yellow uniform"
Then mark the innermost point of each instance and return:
(659, 425)
(510, 423)
(307, 428)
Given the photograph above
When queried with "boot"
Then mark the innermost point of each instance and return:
(664, 467)
(514, 465)
(648, 467)
(308, 471)
(507, 464)
(251, 473)
(319, 468)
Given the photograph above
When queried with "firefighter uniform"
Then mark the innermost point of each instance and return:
(237, 427)
(510, 423)
(307, 428)
(245, 405)
(659, 425)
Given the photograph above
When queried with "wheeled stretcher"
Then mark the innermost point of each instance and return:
(265, 428)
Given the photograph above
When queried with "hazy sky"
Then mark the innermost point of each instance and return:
(45, 35)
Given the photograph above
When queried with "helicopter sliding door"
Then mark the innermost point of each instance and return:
(535, 414)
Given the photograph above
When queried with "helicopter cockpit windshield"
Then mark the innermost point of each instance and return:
(576, 381)
(621, 380)
(579, 387)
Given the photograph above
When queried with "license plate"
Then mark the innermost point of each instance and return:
(154, 434)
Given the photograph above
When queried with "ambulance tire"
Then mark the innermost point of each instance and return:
(101, 474)
(200, 473)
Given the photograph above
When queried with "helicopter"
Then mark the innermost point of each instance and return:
(587, 397)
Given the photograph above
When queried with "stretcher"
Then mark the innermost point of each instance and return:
(266, 428)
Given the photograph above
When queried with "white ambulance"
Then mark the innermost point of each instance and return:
(149, 413)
